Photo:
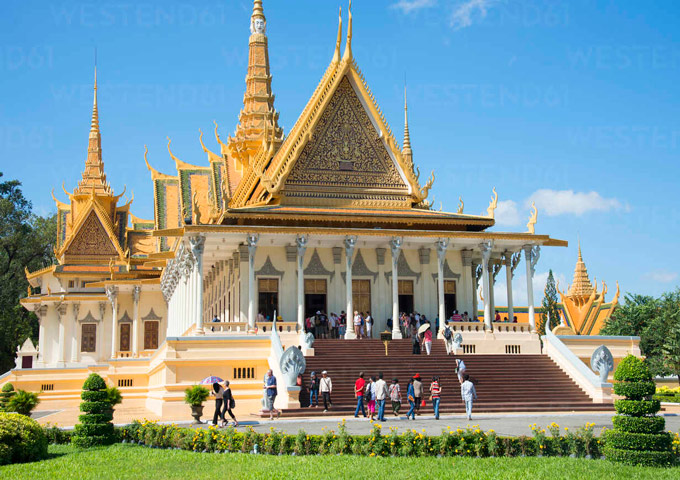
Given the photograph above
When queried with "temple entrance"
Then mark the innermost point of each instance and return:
(315, 296)
(449, 297)
(268, 297)
(406, 303)
(361, 295)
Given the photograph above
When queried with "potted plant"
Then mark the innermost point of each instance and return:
(195, 396)
(114, 397)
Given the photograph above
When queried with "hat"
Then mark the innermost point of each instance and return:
(318, 312)
(324, 372)
(416, 376)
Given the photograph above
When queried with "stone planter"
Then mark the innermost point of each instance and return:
(197, 413)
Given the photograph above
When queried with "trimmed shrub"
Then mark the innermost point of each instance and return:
(639, 424)
(635, 390)
(21, 439)
(637, 439)
(196, 395)
(95, 427)
(6, 395)
(23, 403)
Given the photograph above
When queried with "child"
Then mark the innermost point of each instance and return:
(395, 396)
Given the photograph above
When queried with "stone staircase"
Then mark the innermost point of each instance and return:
(505, 383)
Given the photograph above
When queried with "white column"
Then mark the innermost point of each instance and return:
(61, 357)
(395, 247)
(252, 300)
(442, 245)
(197, 248)
(531, 254)
(136, 292)
(475, 293)
(465, 296)
(41, 312)
(112, 293)
(350, 243)
(301, 243)
(74, 335)
(100, 332)
(507, 259)
(486, 256)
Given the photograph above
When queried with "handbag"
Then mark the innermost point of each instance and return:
(422, 404)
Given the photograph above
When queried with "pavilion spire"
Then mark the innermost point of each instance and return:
(406, 149)
(338, 43)
(258, 115)
(581, 285)
(94, 178)
(347, 55)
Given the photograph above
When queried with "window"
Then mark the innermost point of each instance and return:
(71, 284)
(406, 303)
(268, 296)
(125, 337)
(449, 297)
(88, 342)
(361, 295)
(150, 335)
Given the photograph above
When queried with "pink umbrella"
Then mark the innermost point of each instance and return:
(210, 380)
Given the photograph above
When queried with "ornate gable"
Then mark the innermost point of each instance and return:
(345, 160)
(91, 240)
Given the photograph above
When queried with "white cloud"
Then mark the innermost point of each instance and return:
(408, 6)
(507, 213)
(465, 13)
(568, 202)
(661, 276)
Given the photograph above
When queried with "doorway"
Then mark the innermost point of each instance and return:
(361, 295)
(406, 303)
(315, 296)
(449, 297)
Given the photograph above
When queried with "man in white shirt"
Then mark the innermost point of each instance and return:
(369, 325)
(469, 394)
(357, 325)
(380, 396)
(333, 323)
(326, 387)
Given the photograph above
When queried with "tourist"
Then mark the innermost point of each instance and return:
(313, 390)
(389, 324)
(460, 369)
(395, 396)
(260, 317)
(316, 321)
(324, 325)
(308, 326)
(448, 338)
(466, 317)
(357, 324)
(333, 323)
(359, 386)
(411, 397)
(435, 392)
(369, 325)
(456, 317)
(436, 323)
(405, 326)
(326, 387)
(417, 393)
(427, 340)
(270, 387)
(229, 404)
(469, 394)
(381, 396)
(369, 393)
(218, 391)
(416, 344)
(342, 324)
(497, 318)
(514, 319)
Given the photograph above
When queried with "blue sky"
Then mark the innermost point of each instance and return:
(573, 105)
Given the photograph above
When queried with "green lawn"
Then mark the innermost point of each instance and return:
(134, 462)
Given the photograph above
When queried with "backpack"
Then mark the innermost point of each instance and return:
(447, 333)
(232, 401)
(317, 320)
(367, 395)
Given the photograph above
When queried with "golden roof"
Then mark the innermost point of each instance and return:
(581, 286)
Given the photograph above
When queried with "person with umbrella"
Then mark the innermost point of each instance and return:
(426, 332)
(218, 391)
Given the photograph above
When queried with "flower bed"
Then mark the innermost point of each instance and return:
(666, 394)
(469, 442)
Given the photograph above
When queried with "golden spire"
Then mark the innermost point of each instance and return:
(581, 286)
(348, 47)
(406, 150)
(258, 101)
(94, 178)
(336, 56)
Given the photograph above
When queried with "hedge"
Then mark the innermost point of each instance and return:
(637, 408)
(639, 441)
(635, 390)
(21, 439)
(95, 427)
(635, 457)
(632, 369)
(639, 424)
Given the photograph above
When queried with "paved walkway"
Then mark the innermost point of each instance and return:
(503, 424)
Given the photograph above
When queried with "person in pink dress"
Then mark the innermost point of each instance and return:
(427, 340)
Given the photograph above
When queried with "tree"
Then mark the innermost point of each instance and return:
(26, 241)
(653, 320)
(671, 350)
(550, 311)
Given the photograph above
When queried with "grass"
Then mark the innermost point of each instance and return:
(133, 462)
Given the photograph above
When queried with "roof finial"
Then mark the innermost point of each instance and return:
(94, 127)
(348, 47)
(258, 23)
(406, 150)
(336, 56)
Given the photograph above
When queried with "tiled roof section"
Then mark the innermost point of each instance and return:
(409, 213)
